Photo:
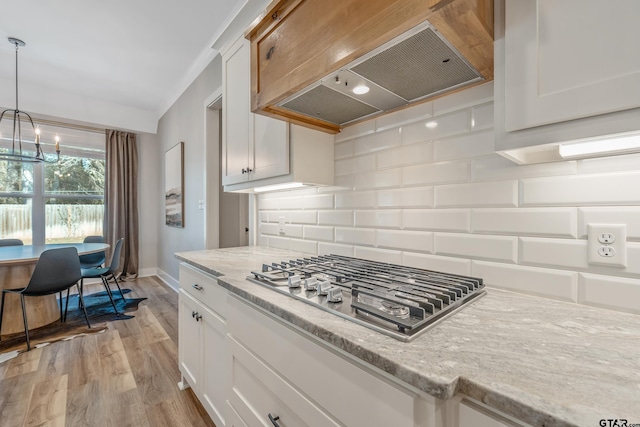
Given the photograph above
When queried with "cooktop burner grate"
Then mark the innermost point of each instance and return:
(397, 300)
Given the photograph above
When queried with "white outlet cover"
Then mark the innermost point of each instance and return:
(619, 245)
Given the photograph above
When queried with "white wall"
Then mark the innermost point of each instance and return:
(184, 121)
(442, 199)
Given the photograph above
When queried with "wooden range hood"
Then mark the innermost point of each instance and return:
(298, 45)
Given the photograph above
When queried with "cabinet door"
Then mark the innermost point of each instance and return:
(215, 369)
(569, 59)
(236, 131)
(270, 151)
(189, 340)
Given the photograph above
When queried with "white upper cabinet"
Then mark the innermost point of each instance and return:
(253, 147)
(565, 70)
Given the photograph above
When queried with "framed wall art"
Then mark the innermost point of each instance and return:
(174, 186)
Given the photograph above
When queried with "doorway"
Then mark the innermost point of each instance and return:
(227, 213)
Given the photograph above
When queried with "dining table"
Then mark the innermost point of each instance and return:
(16, 266)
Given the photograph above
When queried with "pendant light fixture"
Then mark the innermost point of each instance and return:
(16, 153)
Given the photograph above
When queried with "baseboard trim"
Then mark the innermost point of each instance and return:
(168, 280)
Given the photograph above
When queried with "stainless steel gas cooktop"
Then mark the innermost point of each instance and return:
(393, 299)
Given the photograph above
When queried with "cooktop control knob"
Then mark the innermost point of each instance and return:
(294, 281)
(323, 287)
(334, 294)
(311, 284)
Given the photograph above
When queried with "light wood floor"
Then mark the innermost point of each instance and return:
(126, 376)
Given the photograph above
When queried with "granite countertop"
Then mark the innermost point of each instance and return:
(545, 362)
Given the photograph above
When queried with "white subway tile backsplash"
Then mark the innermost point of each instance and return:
(419, 197)
(293, 230)
(356, 236)
(381, 255)
(440, 199)
(343, 149)
(558, 222)
(405, 155)
(450, 124)
(304, 246)
(436, 219)
(335, 218)
(610, 215)
(610, 292)
(378, 218)
(494, 167)
(268, 228)
(355, 200)
(313, 232)
(355, 165)
(376, 141)
(321, 201)
(268, 204)
(353, 131)
(627, 162)
(598, 189)
(545, 282)
(438, 263)
(563, 253)
(291, 203)
(343, 182)
(304, 217)
(482, 116)
(437, 173)
(464, 146)
(381, 179)
(419, 241)
(407, 115)
(280, 243)
(333, 248)
(465, 98)
(499, 248)
(499, 193)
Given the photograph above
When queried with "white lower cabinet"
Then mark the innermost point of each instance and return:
(279, 372)
(202, 340)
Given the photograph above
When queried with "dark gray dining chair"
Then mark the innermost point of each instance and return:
(11, 242)
(55, 271)
(106, 273)
(96, 259)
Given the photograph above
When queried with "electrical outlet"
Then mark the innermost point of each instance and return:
(280, 224)
(607, 244)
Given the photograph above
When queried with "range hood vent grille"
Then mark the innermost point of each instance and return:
(417, 67)
(327, 104)
(414, 66)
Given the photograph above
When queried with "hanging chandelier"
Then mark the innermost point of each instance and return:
(16, 153)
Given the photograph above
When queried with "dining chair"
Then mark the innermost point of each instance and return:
(106, 273)
(96, 259)
(11, 242)
(55, 271)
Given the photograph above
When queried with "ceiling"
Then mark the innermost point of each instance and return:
(117, 63)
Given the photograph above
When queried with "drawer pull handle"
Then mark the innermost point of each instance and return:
(274, 420)
(270, 52)
(198, 317)
(198, 287)
(193, 314)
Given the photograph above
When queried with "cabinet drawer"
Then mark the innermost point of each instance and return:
(333, 382)
(257, 392)
(204, 288)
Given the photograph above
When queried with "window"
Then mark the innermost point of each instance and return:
(54, 202)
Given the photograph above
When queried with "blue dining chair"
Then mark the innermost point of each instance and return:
(95, 259)
(106, 273)
(55, 271)
(11, 242)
